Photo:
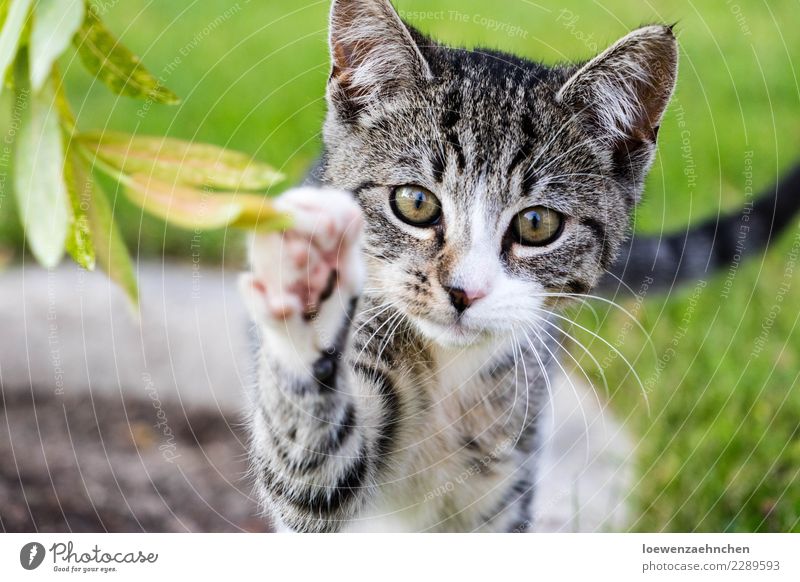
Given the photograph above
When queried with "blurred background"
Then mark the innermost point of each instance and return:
(703, 381)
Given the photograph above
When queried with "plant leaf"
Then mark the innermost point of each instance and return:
(259, 214)
(79, 184)
(55, 23)
(202, 210)
(39, 176)
(113, 257)
(174, 160)
(13, 26)
(115, 65)
(3, 12)
(80, 187)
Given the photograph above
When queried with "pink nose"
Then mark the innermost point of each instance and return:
(462, 299)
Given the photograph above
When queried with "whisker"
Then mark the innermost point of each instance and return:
(389, 321)
(587, 351)
(546, 147)
(607, 343)
(574, 391)
(558, 158)
(518, 346)
(389, 337)
(634, 294)
(385, 308)
(600, 405)
(545, 375)
(551, 179)
(592, 310)
(580, 297)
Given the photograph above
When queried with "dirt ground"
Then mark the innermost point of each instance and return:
(94, 463)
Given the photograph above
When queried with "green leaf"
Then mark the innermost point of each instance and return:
(202, 210)
(3, 12)
(112, 254)
(11, 33)
(39, 175)
(115, 65)
(55, 23)
(79, 184)
(174, 160)
(81, 189)
(63, 107)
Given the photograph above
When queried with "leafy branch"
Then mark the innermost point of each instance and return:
(63, 210)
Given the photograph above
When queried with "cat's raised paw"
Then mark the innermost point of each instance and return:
(315, 262)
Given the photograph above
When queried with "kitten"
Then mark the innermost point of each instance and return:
(410, 317)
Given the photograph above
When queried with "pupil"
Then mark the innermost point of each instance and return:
(534, 219)
(419, 200)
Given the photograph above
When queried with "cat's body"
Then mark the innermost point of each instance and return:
(410, 317)
(464, 456)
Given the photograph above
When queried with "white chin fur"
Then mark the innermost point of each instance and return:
(451, 336)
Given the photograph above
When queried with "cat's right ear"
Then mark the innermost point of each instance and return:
(372, 53)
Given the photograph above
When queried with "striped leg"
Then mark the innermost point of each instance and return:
(311, 444)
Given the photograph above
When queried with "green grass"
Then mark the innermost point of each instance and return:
(720, 448)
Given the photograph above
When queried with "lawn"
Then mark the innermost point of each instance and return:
(719, 449)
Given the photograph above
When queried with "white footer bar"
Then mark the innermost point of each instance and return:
(492, 558)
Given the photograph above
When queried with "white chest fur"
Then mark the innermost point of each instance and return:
(457, 455)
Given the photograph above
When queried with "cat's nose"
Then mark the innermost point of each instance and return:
(462, 299)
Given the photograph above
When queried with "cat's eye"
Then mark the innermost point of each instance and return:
(416, 206)
(537, 226)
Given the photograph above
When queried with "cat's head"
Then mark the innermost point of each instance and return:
(492, 186)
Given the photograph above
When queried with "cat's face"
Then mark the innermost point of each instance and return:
(462, 234)
(493, 188)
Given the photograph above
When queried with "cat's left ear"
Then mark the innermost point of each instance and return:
(626, 89)
(373, 53)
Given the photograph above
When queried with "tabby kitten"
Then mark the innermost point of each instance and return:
(409, 318)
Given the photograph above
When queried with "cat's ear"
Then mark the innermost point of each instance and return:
(372, 52)
(626, 89)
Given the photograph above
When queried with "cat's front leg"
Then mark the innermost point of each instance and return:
(311, 456)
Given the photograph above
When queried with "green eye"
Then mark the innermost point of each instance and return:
(537, 226)
(416, 206)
